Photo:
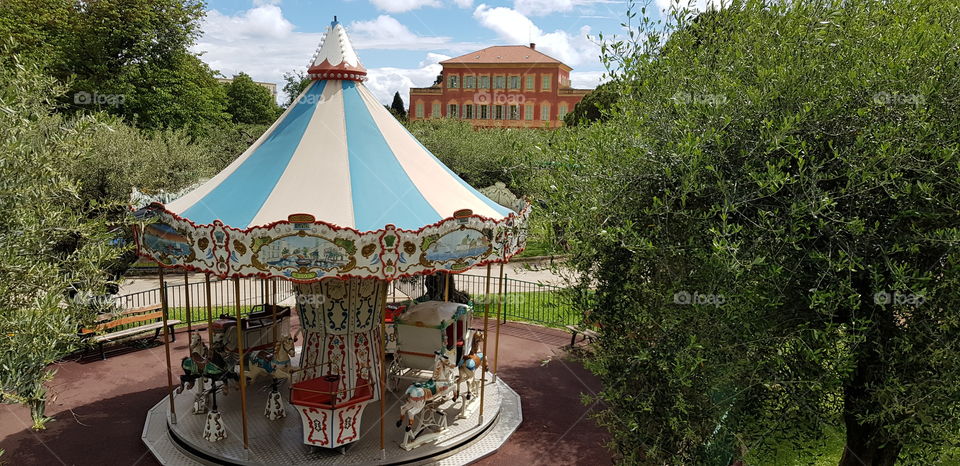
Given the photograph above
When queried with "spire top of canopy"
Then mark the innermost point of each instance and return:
(335, 58)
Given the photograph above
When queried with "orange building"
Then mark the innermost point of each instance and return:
(501, 86)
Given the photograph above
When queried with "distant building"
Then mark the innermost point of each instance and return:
(501, 86)
(272, 87)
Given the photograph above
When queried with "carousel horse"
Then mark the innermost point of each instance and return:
(275, 364)
(468, 366)
(204, 363)
(437, 388)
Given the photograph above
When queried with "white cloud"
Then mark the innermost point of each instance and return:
(546, 7)
(385, 32)
(585, 79)
(515, 28)
(384, 82)
(400, 6)
(542, 7)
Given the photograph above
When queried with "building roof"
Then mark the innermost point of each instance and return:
(504, 54)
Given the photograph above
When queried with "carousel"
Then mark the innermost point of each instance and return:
(338, 198)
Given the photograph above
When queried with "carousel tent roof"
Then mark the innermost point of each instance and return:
(339, 155)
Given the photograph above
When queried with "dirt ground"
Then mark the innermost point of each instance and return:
(100, 407)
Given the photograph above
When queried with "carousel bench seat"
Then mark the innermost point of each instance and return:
(318, 393)
(150, 319)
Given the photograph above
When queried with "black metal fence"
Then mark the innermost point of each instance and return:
(515, 300)
(222, 297)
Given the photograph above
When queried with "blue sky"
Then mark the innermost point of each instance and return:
(401, 41)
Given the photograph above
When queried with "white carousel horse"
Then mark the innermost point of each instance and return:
(467, 369)
(433, 391)
(276, 364)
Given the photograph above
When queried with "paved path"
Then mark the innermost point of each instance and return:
(100, 407)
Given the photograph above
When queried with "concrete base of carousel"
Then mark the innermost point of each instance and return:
(281, 441)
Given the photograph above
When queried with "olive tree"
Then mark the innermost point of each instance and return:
(770, 227)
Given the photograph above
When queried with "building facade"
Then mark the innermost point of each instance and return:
(272, 87)
(502, 86)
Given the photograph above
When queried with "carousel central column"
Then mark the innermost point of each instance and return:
(341, 359)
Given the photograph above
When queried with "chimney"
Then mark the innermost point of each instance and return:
(533, 46)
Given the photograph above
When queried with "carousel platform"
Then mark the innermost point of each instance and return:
(281, 441)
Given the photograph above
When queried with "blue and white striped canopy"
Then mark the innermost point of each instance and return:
(340, 156)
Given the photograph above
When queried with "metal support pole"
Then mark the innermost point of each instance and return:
(383, 369)
(273, 281)
(243, 380)
(446, 286)
(166, 345)
(496, 346)
(209, 354)
(186, 299)
(486, 325)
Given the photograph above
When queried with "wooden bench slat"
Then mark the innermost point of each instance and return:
(132, 331)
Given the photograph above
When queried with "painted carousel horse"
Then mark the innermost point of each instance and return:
(432, 392)
(467, 369)
(275, 364)
(203, 363)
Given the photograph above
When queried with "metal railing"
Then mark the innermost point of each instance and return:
(222, 297)
(521, 300)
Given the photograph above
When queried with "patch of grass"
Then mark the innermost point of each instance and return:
(550, 308)
(826, 452)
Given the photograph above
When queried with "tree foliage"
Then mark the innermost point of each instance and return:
(595, 106)
(397, 108)
(770, 224)
(129, 58)
(249, 102)
(51, 238)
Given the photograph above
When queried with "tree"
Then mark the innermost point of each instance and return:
(249, 102)
(129, 58)
(294, 83)
(594, 106)
(51, 239)
(397, 107)
(767, 234)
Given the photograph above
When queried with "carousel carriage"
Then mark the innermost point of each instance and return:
(423, 329)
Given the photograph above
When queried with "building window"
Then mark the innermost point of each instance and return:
(452, 110)
(435, 111)
(545, 82)
(498, 82)
(498, 112)
(528, 112)
(529, 82)
(514, 112)
(561, 111)
(545, 112)
(453, 81)
(484, 112)
(419, 113)
(514, 82)
(484, 82)
(468, 111)
(470, 82)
